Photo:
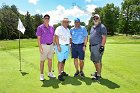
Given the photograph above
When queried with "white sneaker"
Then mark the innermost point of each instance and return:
(51, 75)
(41, 77)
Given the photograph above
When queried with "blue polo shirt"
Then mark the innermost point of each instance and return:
(78, 35)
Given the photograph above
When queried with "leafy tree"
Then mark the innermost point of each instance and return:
(82, 24)
(109, 16)
(8, 23)
(56, 25)
(29, 32)
(130, 17)
(37, 20)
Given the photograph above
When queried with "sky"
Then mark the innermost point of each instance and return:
(59, 9)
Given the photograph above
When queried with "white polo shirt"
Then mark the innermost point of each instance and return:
(63, 35)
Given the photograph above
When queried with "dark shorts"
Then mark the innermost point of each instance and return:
(95, 56)
(77, 51)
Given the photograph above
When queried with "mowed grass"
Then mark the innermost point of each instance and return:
(120, 69)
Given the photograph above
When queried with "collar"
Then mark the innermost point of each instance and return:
(78, 28)
(65, 28)
(96, 26)
(45, 26)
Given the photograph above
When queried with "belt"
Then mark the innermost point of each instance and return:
(78, 44)
(93, 45)
(49, 43)
(65, 44)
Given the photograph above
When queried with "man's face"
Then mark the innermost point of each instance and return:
(96, 20)
(77, 24)
(65, 22)
(46, 20)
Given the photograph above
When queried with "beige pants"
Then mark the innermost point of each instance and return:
(48, 51)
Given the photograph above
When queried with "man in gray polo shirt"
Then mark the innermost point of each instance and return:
(98, 35)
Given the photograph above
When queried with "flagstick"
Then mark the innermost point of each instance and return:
(19, 52)
(21, 28)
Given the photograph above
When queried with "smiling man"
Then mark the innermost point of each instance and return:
(45, 37)
(79, 40)
(98, 35)
(62, 39)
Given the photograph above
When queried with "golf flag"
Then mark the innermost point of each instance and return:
(20, 26)
(22, 29)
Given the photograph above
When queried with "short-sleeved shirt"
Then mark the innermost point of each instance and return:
(63, 35)
(78, 35)
(46, 34)
(96, 34)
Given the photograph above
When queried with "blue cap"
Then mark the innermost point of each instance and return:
(76, 20)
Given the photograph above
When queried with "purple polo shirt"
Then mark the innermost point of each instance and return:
(46, 34)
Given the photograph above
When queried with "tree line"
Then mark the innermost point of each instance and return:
(124, 20)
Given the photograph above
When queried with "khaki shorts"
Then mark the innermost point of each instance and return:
(48, 51)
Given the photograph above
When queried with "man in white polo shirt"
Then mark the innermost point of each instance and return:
(62, 38)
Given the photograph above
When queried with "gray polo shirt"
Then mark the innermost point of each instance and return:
(96, 34)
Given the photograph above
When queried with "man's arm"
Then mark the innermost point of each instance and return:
(86, 37)
(70, 40)
(101, 50)
(39, 44)
(85, 43)
(103, 40)
(57, 42)
(85, 40)
(54, 42)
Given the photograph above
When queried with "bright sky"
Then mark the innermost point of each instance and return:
(58, 9)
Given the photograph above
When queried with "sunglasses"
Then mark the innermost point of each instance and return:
(95, 18)
(47, 18)
(66, 21)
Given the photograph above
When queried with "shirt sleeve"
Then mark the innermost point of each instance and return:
(57, 31)
(91, 29)
(85, 32)
(103, 31)
(71, 31)
(70, 34)
(38, 32)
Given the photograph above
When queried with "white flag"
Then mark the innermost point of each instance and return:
(20, 26)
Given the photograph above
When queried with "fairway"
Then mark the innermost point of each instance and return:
(120, 72)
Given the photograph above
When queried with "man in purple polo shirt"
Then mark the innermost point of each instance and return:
(45, 35)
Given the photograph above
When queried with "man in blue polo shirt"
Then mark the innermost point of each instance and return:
(79, 40)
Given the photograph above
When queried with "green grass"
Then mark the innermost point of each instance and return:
(14, 44)
(120, 69)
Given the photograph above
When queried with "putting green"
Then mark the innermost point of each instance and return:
(120, 71)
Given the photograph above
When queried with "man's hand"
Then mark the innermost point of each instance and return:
(101, 49)
(53, 50)
(59, 48)
(84, 48)
(41, 50)
(70, 47)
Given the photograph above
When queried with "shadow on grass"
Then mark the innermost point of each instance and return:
(71, 80)
(52, 82)
(76, 81)
(108, 83)
(87, 80)
(23, 73)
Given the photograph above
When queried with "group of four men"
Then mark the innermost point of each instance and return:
(74, 40)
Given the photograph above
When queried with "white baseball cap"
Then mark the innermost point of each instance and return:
(96, 15)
